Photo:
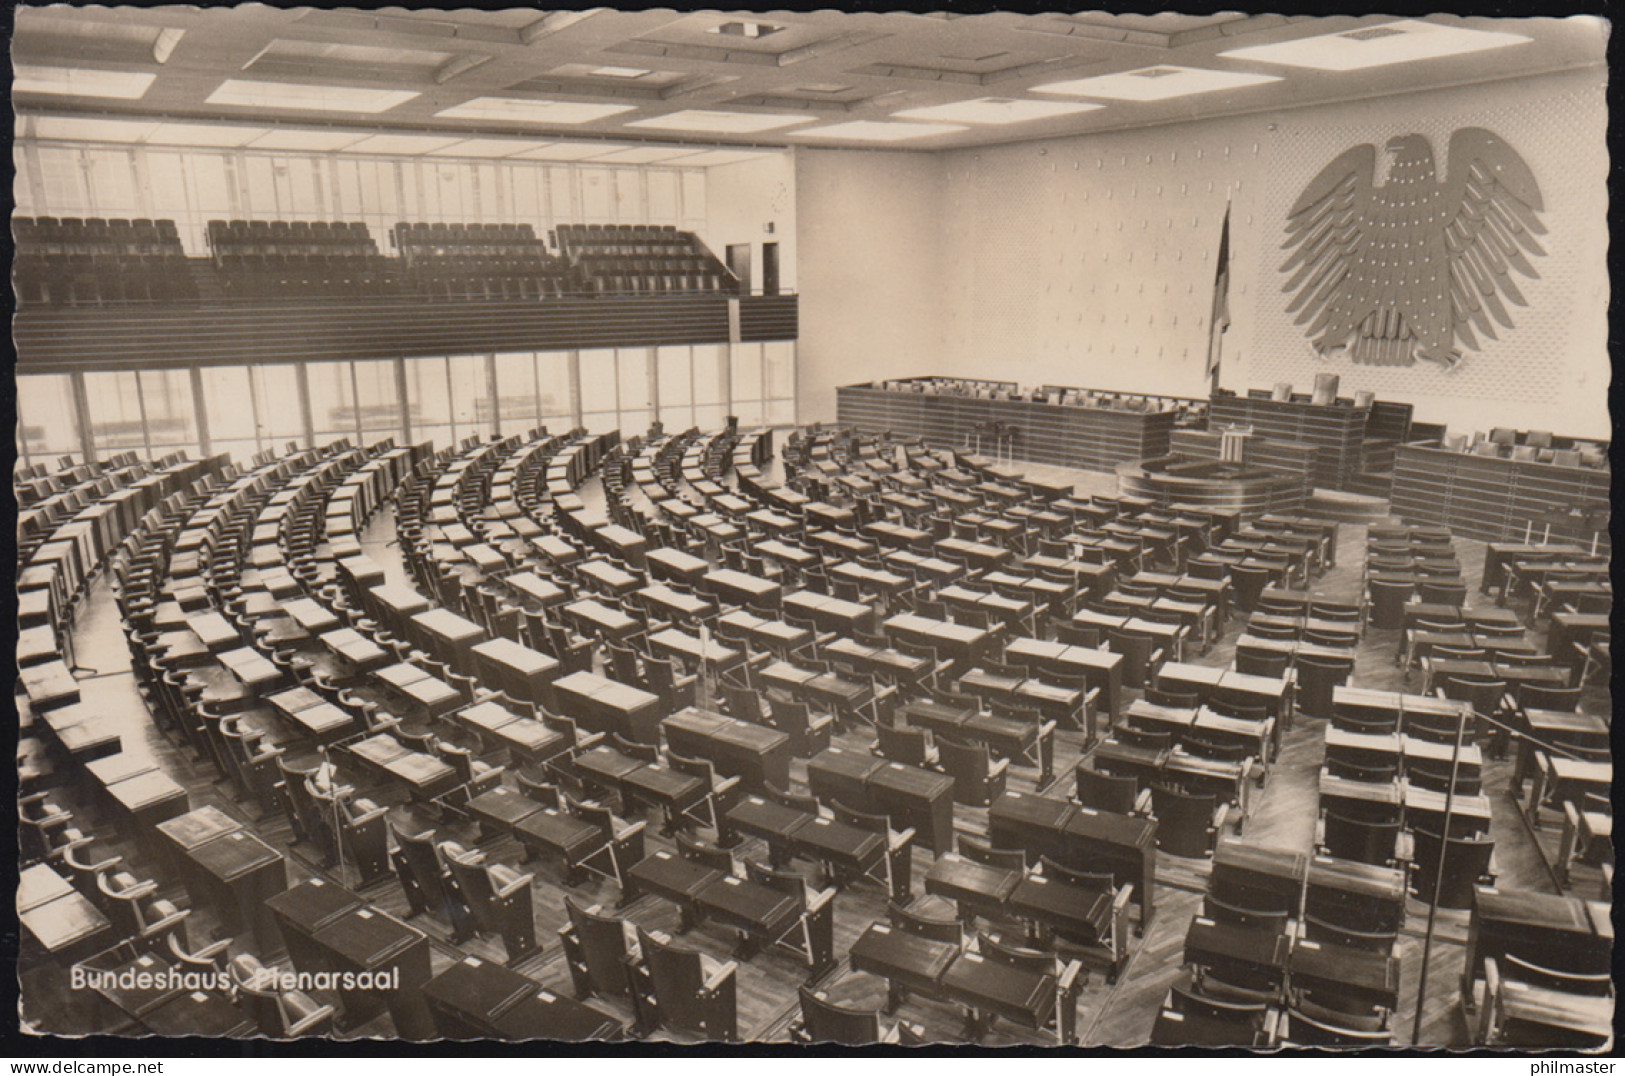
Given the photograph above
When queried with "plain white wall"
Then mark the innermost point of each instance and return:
(1090, 261)
(869, 253)
(740, 199)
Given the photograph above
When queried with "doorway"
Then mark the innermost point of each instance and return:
(739, 264)
(770, 268)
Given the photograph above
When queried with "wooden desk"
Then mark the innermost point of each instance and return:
(1259, 877)
(1099, 668)
(517, 670)
(1371, 895)
(1553, 931)
(593, 618)
(676, 565)
(1125, 843)
(533, 589)
(354, 649)
(603, 705)
(448, 637)
(740, 588)
(1360, 976)
(302, 910)
(235, 873)
(754, 753)
(964, 644)
(829, 614)
(607, 577)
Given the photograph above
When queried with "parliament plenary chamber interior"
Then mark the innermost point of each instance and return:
(1071, 530)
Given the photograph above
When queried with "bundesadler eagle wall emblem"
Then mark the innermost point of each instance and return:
(1412, 269)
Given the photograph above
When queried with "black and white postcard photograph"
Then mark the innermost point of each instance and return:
(663, 528)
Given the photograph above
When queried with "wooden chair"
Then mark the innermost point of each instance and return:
(497, 896)
(1141, 655)
(278, 1014)
(809, 733)
(978, 779)
(427, 881)
(1262, 662)
(1104, 792)
(1317, 680)
(597, 948)
(1359, 839)
(979, 851)
(824, 1021)
(1187, 824)
(910, 746)
(684, 990)
(1468, 861)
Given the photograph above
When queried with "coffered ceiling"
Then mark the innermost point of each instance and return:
(562, 84)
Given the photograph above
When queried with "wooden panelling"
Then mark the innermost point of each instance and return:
(1489, 498)
(1339, 431)
(131, 335)
(1094, 438)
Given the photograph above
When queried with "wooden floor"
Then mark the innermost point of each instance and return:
(1120, 1014)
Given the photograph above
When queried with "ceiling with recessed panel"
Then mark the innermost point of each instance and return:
(702, 88)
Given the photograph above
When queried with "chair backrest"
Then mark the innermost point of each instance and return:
(1091, 880)
(851, 816)
(925, 926)
(1318, 677)
(787, 882)
(1319, 930)
(1183, 820)
(742, 702)
(904, 745)
(1539, 697)
(468, 868)
(1254, 918)
(1261, 663)
(1304, 1030)
(677, 973)
(1138, 737)
(980, 851)
(1105, 792)
(1359, 839)
(1180, 700)
(603, 947)
(968, 765)
(1466, 859)
(692, 848)
(1034, 961)
(1250, 1014)
(592, 813)
(826, 1021)
(786, 798)
(1247, 584)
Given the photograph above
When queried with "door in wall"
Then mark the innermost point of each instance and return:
(739, 262)
(770, 268)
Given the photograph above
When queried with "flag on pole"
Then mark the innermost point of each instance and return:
(1220, 320)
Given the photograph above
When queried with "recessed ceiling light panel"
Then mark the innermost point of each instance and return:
(879, 131)
(312, 141)
(203, 134)
(84, 129)
(714, 157)
(996, 110)
(401, 145)
(303, 97)
(566, 151)
(531, 110)
(1155, 83)
(1377, 46)
(81, 82)
(644, 155)
(621, 72)
(482, 147)
(702, 119)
